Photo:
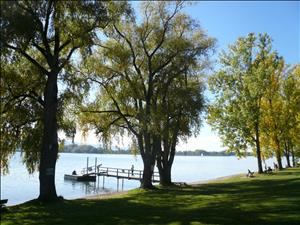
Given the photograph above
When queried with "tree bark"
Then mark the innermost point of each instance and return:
(148, 156)
(165, 175)
(278, 157)
(49, 149)
(258, 152)
(287, 156)
(165, 158)
(164, 167)
(146, 181)
(293, 156)
(287, 153)
(278, 154)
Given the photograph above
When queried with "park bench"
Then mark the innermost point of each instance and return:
(181, 184)
(250, 174)
(2, 204)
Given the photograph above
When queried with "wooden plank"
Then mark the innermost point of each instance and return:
(80, 178)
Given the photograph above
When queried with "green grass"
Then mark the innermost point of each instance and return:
(262, 200)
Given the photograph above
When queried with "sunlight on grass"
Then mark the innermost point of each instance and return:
(261, 200)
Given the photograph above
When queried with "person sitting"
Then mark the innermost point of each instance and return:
(250, 174)
(269, 170)
(74, 172)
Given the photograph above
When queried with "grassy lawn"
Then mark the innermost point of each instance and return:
(262, 200)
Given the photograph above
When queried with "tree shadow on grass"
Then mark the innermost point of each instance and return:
(244, 202)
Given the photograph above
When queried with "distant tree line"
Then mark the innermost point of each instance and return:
(74, 148)
(207, 153)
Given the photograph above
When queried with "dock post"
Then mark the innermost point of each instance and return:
(87, 165)
(95, 165)
(122, 184)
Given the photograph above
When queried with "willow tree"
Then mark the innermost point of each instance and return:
(21, 112)
(130, 68)
(56, 30)
(180, 107)
(239, 87)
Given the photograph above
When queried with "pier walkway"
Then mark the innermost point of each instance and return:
(118, 173)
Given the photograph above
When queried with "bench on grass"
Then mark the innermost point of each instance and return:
(250, 174)
(2, 204)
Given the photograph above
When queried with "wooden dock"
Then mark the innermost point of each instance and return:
(118, 173)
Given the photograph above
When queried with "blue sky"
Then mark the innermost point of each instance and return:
(226, 21)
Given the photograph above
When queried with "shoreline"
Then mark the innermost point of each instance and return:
(104, 196)
(194, 183)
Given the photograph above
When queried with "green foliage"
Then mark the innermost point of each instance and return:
(148, 72)
(21, 111)
(38, 39)
(149, 81)
(257, 99)
(239, 87)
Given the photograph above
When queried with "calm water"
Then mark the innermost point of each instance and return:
(18, 186)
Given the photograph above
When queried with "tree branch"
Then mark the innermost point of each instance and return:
(68, 57)
(133, 57)
(28, 57)
(99, 111)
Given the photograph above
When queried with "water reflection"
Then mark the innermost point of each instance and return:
(89, 188)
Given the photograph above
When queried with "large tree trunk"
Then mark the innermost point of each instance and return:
(278, 157)
(258, 152)
(148, 160)
(165, 158)
(287, 156)
(49, 149)
(165, 174)
(279, 161)
(293, 156)
(164, 168)
(287, 153)
(146, 181)
(278, 154)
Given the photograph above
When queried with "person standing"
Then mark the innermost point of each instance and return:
(132, 170)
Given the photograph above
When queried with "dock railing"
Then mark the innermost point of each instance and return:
(119, 173)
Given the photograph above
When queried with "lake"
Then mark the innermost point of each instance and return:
(19, 186)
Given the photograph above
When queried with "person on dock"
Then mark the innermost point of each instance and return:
(74, 172)
(132, 170)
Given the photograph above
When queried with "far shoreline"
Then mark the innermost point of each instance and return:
(116, 153)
